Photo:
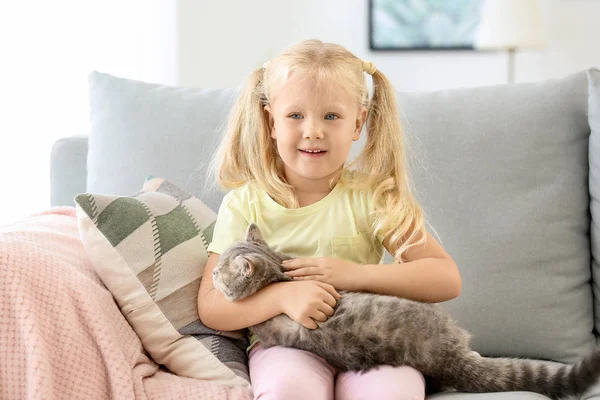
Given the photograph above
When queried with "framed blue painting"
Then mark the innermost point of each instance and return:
(423, 24)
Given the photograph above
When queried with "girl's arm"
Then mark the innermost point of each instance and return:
(429, 275)
(305, 303)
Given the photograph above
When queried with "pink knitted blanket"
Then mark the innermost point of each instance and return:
(61, 334)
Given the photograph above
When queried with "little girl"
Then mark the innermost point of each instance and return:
(284, 160)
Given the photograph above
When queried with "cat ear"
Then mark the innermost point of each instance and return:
(246, 265)
(253, 234)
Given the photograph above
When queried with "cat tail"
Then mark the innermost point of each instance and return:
(478, 374)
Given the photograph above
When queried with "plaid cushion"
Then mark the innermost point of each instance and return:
(150, 251)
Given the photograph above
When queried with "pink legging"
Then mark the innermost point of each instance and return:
(282, 373)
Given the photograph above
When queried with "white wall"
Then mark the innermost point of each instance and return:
(572, 33)
(48, 49)
(220, 42)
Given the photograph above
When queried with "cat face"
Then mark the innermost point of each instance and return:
(247, 267)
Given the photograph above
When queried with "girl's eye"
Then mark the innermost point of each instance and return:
(330, 117)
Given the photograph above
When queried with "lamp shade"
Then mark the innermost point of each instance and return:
(510, 24)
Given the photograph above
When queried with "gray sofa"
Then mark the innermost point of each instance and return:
(509, 178)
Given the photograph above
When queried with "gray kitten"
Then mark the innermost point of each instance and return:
(368, 330)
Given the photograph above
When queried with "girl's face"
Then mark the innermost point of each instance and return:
(314, 128)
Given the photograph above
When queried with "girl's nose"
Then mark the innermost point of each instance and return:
(313, 132)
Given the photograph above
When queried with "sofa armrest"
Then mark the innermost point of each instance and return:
(68, 169)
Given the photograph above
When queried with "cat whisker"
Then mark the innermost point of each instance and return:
(212, 300)
(209, 289)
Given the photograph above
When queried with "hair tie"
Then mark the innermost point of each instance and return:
(265, 65)
(369, 67)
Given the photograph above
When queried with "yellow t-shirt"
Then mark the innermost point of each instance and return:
(337, 226)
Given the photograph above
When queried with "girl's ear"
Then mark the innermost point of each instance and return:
(360, 120)
(271, 120)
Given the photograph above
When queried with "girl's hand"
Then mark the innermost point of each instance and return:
(310, 301)
(342, 275)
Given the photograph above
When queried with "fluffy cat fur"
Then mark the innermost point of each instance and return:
(368, 330)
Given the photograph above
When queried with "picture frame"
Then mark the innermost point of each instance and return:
(417, 25)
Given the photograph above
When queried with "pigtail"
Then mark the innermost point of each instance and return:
(248, 153)
(230, 165)
(397, 217)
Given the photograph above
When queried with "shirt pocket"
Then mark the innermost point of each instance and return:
(356, 249)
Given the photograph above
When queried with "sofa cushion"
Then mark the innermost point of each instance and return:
(150, 250)
(504, 184)
(140, 129)
(594, 182)
(501, 172)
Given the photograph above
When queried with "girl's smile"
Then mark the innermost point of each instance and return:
(313, 152)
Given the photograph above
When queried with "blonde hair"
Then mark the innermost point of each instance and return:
(249, 154)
